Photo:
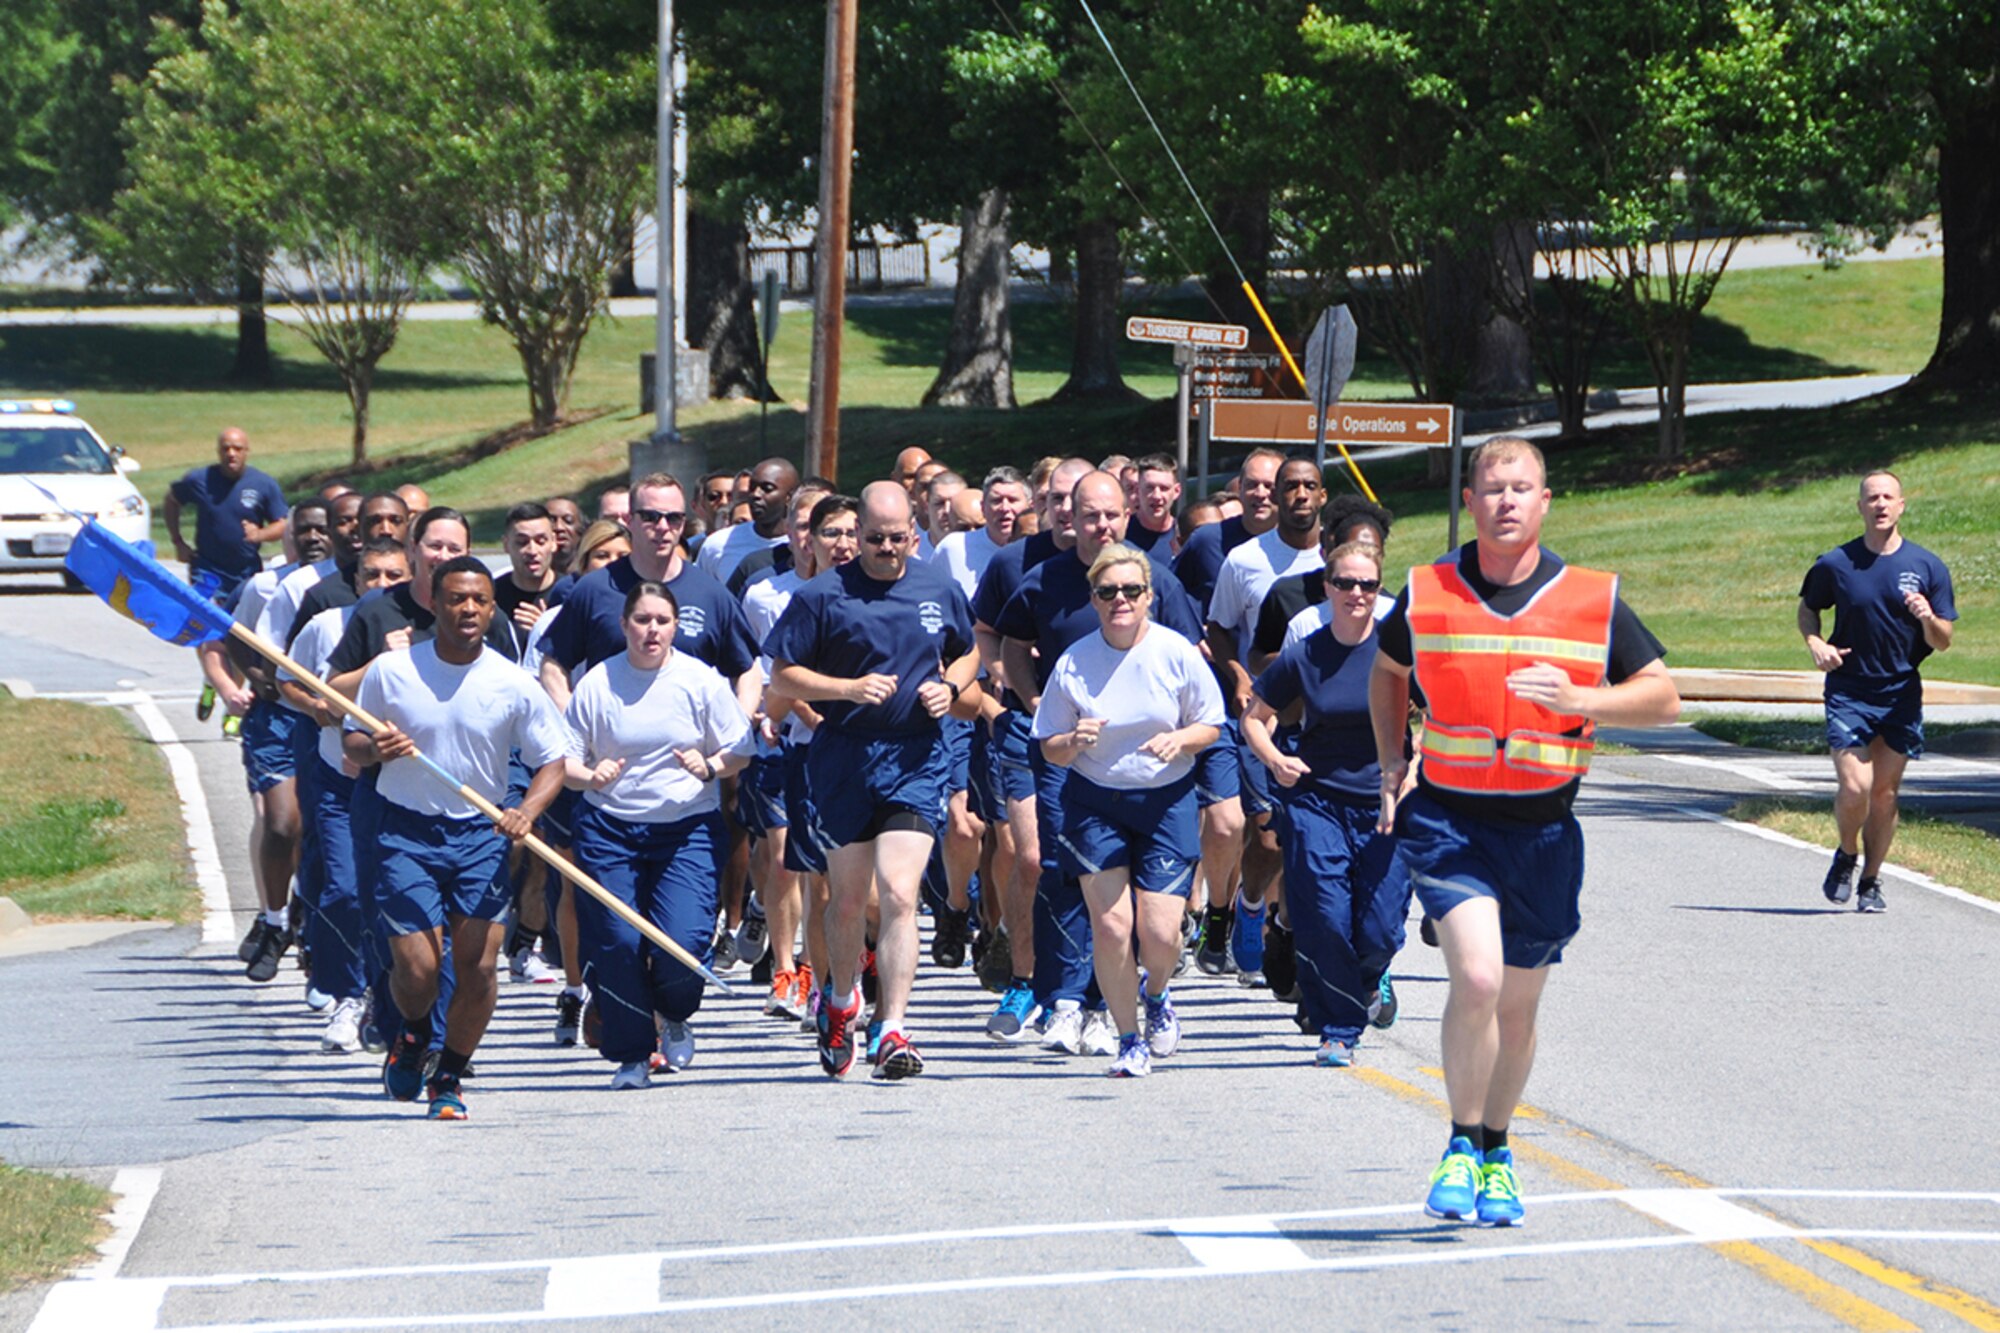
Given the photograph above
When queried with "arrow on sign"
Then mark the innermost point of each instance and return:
(1429, 426)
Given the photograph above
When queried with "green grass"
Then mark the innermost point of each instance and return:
(1801, 735)
(89, 823)
(48, 1224)
(1951, 853)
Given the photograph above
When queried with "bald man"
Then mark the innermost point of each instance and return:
(414, 497)
(236, 510)
(771, 485)
(907, 463)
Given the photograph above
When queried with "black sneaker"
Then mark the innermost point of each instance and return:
(948, 940)
(271, 951)
(205, 705)
(253, 940)
(1838, 886)
(996, 965)
(1281, 961)
(1211, 954)
(569, 1018)
(1869, 899)
(1427, 931)
(405, 1068)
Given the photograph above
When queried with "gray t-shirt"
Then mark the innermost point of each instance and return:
(644, 717)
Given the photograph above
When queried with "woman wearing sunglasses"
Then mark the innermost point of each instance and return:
(1125, 710)
(1346, 892)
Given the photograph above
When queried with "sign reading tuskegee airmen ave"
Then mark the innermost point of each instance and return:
(1232, 337)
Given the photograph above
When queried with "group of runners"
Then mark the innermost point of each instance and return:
(1099, 736)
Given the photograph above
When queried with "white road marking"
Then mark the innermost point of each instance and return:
(611, 1284)
(218, 923)
(1893, 871)
(1240, 1245)
(135, 1187)
(1706, 1215)
(112, 1305)
(1757, 773)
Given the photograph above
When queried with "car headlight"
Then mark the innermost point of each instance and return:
(131, 504)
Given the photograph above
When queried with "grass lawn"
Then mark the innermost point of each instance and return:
(1800, 735)
(48, 1224)
(89, 823)
(1951, 853)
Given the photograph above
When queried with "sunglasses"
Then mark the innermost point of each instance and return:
(886, 538)
(1111, 592)
(673, 518)
(1346, 584)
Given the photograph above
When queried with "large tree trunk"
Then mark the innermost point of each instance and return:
(624, 276)
(253, 333)
(1968, 345)
(1245, 221)
(1503, 364)
(360, 379)
(978, 368)
(721, 305)
(1100, 281)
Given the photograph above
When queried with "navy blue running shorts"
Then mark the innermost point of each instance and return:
(1534, 871)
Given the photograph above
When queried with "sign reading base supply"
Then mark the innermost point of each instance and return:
(1295, 422)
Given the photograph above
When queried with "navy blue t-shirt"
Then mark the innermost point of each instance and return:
(1200, 561)
(1156, 544)
(221, 507)
(1004, 572)
(1866, 591)
(1052, 609)
(844, 623)
(1336, 739)
(590, 627)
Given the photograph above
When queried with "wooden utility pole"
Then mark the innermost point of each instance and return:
(836, 159)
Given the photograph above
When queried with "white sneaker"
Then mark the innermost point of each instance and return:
(343, 1029)
(317, 1000)
(1065, 1030)
(752, 938)
(631, 1077)
(1099, 1036)
(529, 966)
(677, 1045)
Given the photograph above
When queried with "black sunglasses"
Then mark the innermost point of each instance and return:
(1111, 592)
(1346, 584)
(673, 518)
(886, 538)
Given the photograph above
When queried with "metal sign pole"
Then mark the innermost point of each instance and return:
(1184, 389)
(1201, 442)
(1457, 465)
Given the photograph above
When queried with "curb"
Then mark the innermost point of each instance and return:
(13, 920)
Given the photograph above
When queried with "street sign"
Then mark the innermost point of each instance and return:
(1295, 422)
(1330, 355)
(1235, 337)
(1239, 375)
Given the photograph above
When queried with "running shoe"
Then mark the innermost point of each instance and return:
(204, 706)
(569, 1016)
(1246, 944)
(1869, 897)
(403, 1069)
(1455, 1183)
(815, 1001)
(632, 1076)
(371, 1032)
(722, 952)
(896, 1058)
(343, 1029)
(871, 985)
(1134, 1058)
(527, 964)
(253, 939)
(677, 1045)
(874, 1037)
(1499, 1191)
(1838, 886)
(1163, 1026)
(1211, 955)
(232, 725)
(1013, 1019)
(1382, 1013)
(996, 967)
(753, 938)
(1427, 931)
(787, 998)
(1100, 1034)
(317, 1000)
(949, 939)
(1065, 1031)
(271, 951)
(446, 1097)
(836, 1035)
(1281, 960)
(1334, 1053)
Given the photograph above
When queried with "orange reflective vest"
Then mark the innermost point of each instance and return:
(1479, 738)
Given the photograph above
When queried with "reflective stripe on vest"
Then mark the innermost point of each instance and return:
(1479, 738)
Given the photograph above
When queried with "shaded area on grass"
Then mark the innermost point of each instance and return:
(1948, 851)
(1807, 735)
(124, 358)
(48, 1224)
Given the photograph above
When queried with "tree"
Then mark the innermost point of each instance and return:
(32, 48)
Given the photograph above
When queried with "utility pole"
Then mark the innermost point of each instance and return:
(836, 159)
(666, 451)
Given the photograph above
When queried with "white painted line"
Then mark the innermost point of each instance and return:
(218, 923)
(1890, 869)
(115, 1305)
(135, 1187)
(612, 1284)
(1240, 1245)
(1753, 772)
(1706, 1217)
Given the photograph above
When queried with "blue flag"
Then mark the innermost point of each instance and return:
(141, 589)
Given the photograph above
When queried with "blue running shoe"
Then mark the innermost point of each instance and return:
(1382, 1013)
(874, 1039)
(1012, 1020)
(1134, 1058)
(1499, 1191)
(1455, 1183)
(404, 1067)
(1246, 944)
(447, 1101)
(1334, 1053)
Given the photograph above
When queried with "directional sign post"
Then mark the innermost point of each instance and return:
(1329, 364)
(1293, 421)
(1185, 336)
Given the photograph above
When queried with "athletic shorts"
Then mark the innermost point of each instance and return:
(1013, 768)
(802, 853)
(980, 798)
(1260, 790)
(1895, 716)
(1154, 831)
(957, 741)
(1218, 772)
(435, 869)
(760, 794)
(558, 823)
(1534, 871)
(859, 781)
(270, 755)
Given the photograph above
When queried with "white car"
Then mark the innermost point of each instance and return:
(44, 443)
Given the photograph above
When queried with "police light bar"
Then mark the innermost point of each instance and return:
(14, 406)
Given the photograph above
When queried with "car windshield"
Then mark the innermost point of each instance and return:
(59, 449)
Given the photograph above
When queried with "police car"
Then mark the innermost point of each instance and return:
(44, 443)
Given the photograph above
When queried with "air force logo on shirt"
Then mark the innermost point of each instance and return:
(1909, 581)
(248, 498)
(694, 620)
(931, 616)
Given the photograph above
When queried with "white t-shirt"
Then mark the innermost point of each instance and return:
(643, 717)
(721, 552)
(1320, 614)
(257, 590)
(281, 611)
(1246, 578)
(466, 719)
(763, 602)
(311, 650)
(965, 556)
(1161, 684)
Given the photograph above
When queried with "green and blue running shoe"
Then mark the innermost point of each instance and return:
(1455, 1183)
(1382, 1013)
(1499, 1191)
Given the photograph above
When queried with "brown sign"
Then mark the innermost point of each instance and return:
(1294, 422)
(1238, 375)
(1232, 336)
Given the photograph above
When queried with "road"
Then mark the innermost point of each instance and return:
(1750, 1110)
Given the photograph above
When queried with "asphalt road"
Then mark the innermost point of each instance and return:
(1750, 1110)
